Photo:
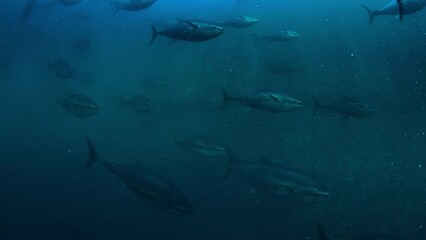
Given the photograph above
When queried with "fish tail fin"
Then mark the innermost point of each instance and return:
(154, 34)
(230, 162)
(401, 9)
(29, 6)
(93, 156)
(317, 106)
(116, 11)
(225, 96)
(58, 100)
(371, 14)
(321, 232)
(122, 101)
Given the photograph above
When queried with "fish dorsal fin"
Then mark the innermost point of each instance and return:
(274, 98)
(242, 17)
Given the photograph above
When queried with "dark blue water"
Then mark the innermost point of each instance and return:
(373, 167)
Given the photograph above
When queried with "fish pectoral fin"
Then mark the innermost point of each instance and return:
(274, 98)
(288, 187)
(141, 192)
(194, 26)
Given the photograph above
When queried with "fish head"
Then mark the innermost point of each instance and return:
(319, 194)
(93, 108)
(69, 2)
(146, 104)
(249, 19)
(312, 195)
(214, 30)
(202, 148)
(293, 34)
(181, 205)
(366, 108)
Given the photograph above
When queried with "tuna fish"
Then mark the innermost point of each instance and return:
(269, 101)
(396, 7)
(240, 22)
(69, 2)
(153, 82)
(81, 44)
(133, 5)
(322, 236)
(277, 179)
(203, 147)
(191, 31)
(79, 105)
(348, 108)
(139, 103)
(282, 67)
(61, 69)
(29, 6)
(280, 36)
(144, 182)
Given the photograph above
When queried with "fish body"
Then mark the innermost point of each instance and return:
(154, 83)
(396, 7)
(380, 237)
(79, 105)
(81, 44)
(279, 180)
(144, 183)
(348, 108)
(139, 103)
(69, 2)
(282, 67)
(203, 147)
(269, 101)
(134, 5)
(191, 31)
(240, 22)
(280, 36)
(61, 69)
(322, 236)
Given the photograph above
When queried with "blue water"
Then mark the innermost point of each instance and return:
(374, 168)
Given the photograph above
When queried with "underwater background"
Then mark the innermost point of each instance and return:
(373, 168)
